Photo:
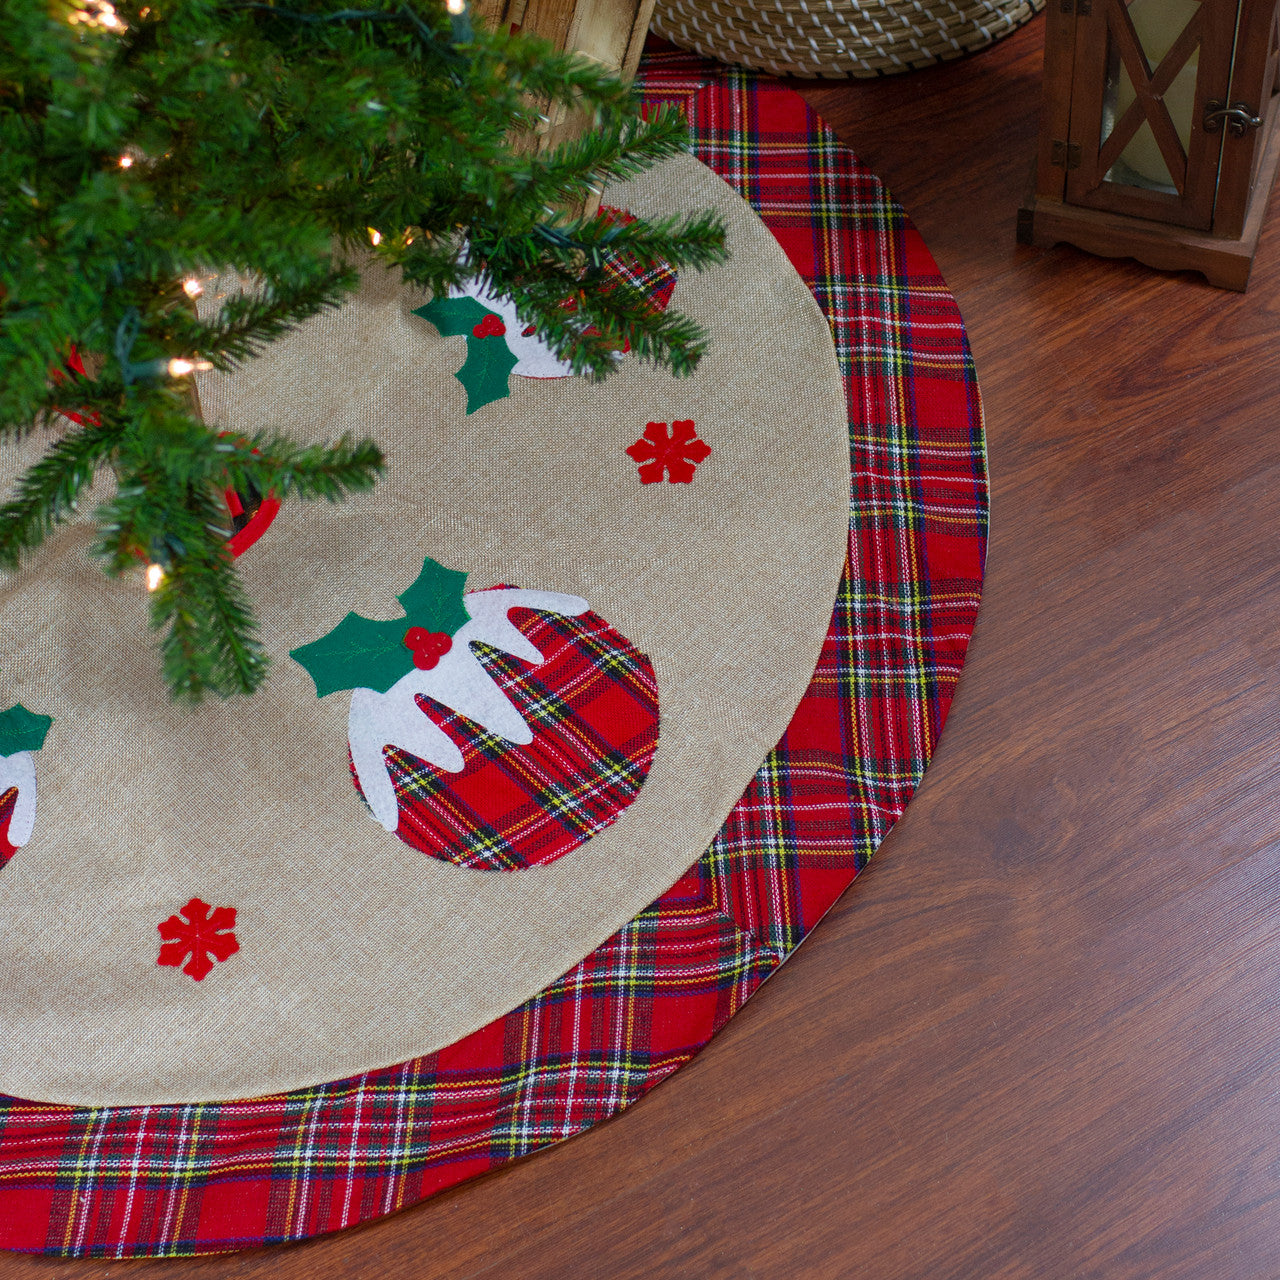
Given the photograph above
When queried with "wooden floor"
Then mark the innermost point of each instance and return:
(1040, 1037)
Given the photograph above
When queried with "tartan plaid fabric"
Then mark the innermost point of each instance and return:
(7, 802)
(656, 283)
(593, 709)
(145, 1181)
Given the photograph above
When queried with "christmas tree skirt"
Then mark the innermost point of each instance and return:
(493, 851)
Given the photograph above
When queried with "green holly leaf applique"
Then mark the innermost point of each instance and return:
(435, 599)
(358, 653)
(487, 371)
(453, 316)
(361, 653)
(22, 730)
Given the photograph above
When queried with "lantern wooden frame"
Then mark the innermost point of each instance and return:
(1211, 217)
(610, 32)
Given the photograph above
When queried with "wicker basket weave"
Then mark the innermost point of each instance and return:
(838, 37)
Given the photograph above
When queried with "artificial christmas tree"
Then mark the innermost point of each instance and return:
(145, 148)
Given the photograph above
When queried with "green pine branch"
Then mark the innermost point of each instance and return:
(247, 322)
(48, 492)
(276, 464)
(265, 139)
(211, 643)
(582, 165)
(689, 242)
(557, 262)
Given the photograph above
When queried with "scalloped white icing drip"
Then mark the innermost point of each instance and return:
(19, 770)
(458, 681)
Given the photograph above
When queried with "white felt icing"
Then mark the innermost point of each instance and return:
(458, 681)
(19, 770)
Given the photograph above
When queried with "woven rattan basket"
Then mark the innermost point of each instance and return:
(860, 38)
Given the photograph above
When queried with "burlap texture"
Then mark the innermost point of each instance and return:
(356, 950)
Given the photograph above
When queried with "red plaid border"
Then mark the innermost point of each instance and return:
(593, 709)
(151, 1181)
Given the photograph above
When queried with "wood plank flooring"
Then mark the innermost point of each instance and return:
(1040, 1037)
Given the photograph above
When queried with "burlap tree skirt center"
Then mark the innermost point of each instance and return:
(303, 938)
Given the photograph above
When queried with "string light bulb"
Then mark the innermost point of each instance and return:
(456, 7)
(155, 576)
(375, 236)
(181, 366)
(192, 287)
(126, 162)
(98, 13)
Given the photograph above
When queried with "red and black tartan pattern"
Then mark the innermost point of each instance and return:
(145, 1181)
(593, 709)
(7, 802)
(655, 283)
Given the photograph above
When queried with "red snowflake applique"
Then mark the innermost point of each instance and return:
(676, 453)
(198, 931)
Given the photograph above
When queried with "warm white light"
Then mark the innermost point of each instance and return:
(192, 287)
(98, 13)
(456, 6)
(155, 576)
(126, 162)
(375, 236)
(180, 366)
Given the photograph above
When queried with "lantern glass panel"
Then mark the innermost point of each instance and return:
(1156, 24)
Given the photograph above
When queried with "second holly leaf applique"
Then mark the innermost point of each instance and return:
(486, 372)
(22, 730)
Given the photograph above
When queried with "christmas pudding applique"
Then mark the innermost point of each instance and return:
(21, 733)
(500, 345)
(494, 729)
(251, 512)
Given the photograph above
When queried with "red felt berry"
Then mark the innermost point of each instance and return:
(490, 327)
(428, 647)
(436, 645)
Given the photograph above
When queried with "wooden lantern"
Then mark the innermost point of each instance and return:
(1158, 133)
(610, 32)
